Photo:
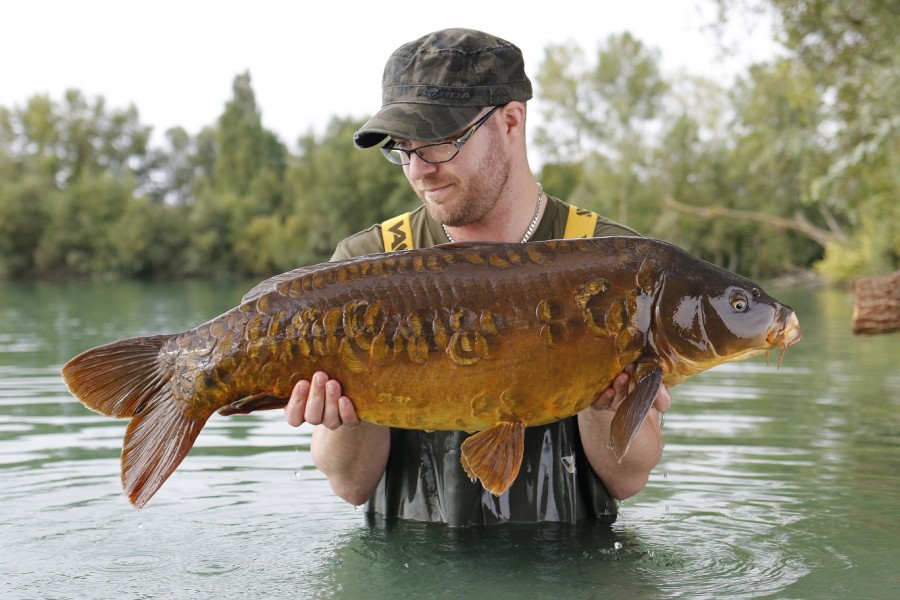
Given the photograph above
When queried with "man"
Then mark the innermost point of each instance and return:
(453, 118)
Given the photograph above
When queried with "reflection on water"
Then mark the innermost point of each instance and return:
(781, 484)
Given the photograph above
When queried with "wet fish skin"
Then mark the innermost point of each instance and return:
(475, 337)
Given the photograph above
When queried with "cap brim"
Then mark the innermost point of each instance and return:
(411, 121)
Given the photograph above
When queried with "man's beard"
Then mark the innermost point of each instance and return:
(480, 193)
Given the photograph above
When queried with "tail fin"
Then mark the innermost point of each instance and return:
(125, 379)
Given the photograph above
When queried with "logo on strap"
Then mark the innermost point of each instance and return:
(580, 223)
(397, 233)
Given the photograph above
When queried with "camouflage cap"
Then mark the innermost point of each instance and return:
(436, 85)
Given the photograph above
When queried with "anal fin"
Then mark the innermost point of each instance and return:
(494, 456)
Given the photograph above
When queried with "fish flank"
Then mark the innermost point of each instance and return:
(507, 336)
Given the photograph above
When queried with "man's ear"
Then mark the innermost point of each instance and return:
(512, 119)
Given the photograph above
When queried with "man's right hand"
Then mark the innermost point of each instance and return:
(320, 402)
(351, 454)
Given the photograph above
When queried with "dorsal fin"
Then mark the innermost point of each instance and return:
(269, 284)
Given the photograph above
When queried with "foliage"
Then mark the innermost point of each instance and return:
(847, 52)
(599, 115)
(342, 190)
(794, 167)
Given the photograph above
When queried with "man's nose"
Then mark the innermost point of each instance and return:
(418, 168)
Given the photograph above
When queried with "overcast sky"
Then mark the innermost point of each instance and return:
(309, 61)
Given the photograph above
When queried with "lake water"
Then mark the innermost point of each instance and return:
(774, 483)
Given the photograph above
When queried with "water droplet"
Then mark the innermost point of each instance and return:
(473, 479)
(665, 474)
(358, 507)
(617, 545)
(569, 463)
(297, 474)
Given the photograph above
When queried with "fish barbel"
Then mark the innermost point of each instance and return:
(487, 338)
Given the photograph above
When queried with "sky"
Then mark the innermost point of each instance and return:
(312, 60)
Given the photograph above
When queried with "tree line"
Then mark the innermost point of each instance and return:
(794, 168)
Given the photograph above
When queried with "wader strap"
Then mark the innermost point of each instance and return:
(580, 223)
(397, 234)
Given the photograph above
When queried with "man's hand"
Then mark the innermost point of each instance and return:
(350, 453)
(320, 402)
(621, 386)
(628, 477)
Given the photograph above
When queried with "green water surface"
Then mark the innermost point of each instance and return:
(774, 483)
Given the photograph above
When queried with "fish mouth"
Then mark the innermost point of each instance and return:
(785, 336)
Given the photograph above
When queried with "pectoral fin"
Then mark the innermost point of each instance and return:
(494, 455)
(634, 408)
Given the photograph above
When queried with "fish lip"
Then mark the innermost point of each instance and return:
(786, 333)
(792, 333)
(784, 336)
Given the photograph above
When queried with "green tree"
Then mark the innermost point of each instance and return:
(601, 115)
(242, 169)
(850, 51)
(250, 161)
(747, 187)
(78, 241)
(339, 190)
(69, 171)
(24, 205)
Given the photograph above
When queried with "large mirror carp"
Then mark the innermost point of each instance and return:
(487, 338)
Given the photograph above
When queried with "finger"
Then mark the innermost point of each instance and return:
(347, 412)
(296, 406)
(315, 404)
(620, 387)
(604, 399)
(331, 417)
(621, 384)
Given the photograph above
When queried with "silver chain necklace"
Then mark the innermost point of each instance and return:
(528, 232)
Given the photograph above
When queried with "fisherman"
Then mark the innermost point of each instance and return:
(453, 118)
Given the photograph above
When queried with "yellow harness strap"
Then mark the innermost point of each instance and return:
(397, 232)
(580, 223)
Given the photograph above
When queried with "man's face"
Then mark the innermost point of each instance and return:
(462, 191)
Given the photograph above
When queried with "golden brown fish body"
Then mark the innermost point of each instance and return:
(473, 337)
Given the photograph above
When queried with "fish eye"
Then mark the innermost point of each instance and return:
(739, 301)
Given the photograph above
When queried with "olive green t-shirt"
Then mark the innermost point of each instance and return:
(424, 480)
